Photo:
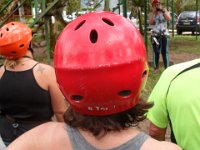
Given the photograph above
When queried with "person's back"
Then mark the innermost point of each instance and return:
(23, 103)
(102, 78)
(29, 94)
(178, 101)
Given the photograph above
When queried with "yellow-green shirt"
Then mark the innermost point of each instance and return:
(181, 102)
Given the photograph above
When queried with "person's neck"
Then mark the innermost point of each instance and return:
(27, 56)
(19, 62)
(24, 59)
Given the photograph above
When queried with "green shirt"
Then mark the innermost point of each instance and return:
(181, 103)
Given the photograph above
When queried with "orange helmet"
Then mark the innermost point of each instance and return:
(15, 38)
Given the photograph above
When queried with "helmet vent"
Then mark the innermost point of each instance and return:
(108, 22)
(76, 97)
(22, 45)
(93, 36)
(13, 52)
(13, 24)
(7, 29)
(79, 25)
(124, 93)
(144, 74)
(1, 35)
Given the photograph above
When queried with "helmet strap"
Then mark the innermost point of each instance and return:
(30, 48)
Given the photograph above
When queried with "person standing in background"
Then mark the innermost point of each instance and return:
(159, 36)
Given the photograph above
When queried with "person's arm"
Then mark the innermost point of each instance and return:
(151, 18)
(156, 132)
(158, 114)
(27, 141)
(48, 136)
(59, 104)
(152, 15)
(166, 14)
(152, 144)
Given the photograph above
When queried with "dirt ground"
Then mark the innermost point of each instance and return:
(177, 58)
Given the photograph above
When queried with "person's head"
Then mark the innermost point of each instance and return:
(15, 38)
(101, 67)
(155, 3)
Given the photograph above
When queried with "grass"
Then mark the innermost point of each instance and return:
(182, 43)
(178, 44)
(151, 82)
(185, 43)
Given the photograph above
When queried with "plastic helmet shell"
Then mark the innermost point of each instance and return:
(15, 38)
(100, 62)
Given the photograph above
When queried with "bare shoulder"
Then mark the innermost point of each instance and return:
(49, 126)
(44, 68)
(50, 129)
(45, 136)
(54, 129)
(152, 144)
(45, 72)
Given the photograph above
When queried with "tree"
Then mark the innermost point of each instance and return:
(8, 10)
(137, 7)
(182, 5)
(21, 12)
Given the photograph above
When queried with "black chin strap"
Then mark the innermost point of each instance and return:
(30, 48)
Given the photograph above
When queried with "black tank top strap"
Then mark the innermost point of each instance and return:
(35, 65)
(31, 67)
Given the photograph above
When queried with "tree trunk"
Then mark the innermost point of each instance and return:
(140, 21)
(21, 12)
(106, 5)
(9, 9)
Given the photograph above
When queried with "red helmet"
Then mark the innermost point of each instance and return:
(155, 2)
(100, 62)
(15, 38)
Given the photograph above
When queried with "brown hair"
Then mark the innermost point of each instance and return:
(101, 125)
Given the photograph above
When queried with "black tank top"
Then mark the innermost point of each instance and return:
(22, 98)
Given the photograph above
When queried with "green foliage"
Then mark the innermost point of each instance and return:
(138, 3)
(151, 82)
(3, 2)
(182, 5)
(72, 6)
